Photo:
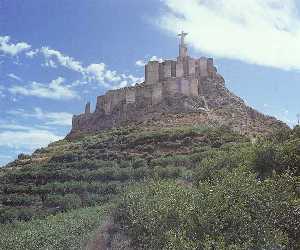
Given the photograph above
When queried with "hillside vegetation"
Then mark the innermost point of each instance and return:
(177, 188)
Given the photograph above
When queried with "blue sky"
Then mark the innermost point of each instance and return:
(57, 54)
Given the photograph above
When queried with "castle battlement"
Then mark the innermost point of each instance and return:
(181, 68)
(176, 92)
(182, 76)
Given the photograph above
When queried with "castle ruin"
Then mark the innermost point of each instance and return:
(173, 86)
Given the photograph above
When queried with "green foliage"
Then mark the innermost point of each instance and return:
(174, 161)
(152, 210)
(138, 163)
(166, 172)
(242, 197)
(234, 212)
(63, 203)
(271, 157)
(18, 200)
(63, 231)
(296, 131)
(228, 157)
(11, 214)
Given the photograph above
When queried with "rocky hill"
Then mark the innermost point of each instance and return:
(185, 91)
(85, 176)
(171, 163)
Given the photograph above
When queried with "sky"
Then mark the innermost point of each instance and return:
(55, 55)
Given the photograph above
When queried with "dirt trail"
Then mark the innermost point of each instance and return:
(109, 237)
(100, 241)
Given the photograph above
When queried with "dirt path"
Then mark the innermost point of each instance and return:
(108, 237)
(100, 241)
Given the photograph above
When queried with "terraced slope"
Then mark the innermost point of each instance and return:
(94, 169)
(178, 178)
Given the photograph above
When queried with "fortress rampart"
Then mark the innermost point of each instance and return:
(172, 88)
(183, 76)
(161, 80)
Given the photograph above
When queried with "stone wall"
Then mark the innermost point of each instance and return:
(157, 93)
(162, 81)
(87, 108)
(191, 66)
(179, 69)
(203, 67)
(182, 67)
(166, 69)
(130, 95)
(152, 72)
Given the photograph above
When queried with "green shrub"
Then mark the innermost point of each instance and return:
(234, 212)
(296, 131)
(270, 157)
(214, 160)
(175, 161)
(63, 203)
(63, 231)
(167, 172)
(10, 215)
(138, 163)
(18, 200)
(151, 211)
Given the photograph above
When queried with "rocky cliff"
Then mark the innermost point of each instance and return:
(185, 91)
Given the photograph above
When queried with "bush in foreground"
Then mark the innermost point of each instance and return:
(62, 231)
(234, 212)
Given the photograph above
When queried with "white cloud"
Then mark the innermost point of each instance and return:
(13, 126)
(54, 57)
(142, 63)
(52, 118)
(155, 58)
(32, 53)
(13, 76)
(49, 118)
(133, 80)
(112, 76)
(12, 49)
(122, 84)
(29, 139)
(93, 73)
(97, 72)
(53, 90)
(263, 32)
(110, 79)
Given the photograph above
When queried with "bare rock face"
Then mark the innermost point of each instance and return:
(186, 91)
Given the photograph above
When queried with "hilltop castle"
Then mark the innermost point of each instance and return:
(186, 85)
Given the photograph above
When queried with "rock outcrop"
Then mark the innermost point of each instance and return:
(185, 91)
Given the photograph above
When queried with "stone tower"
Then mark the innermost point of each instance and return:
(87, 108)
(166, 84)
(183, 51)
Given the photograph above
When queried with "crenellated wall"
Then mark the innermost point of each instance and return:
(162, 80)
(130, 95)
(152, 72)
(166, 78)
(182, 67)
(171, 87)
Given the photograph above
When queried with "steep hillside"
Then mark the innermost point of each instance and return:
(93, 169)
(145, 169)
